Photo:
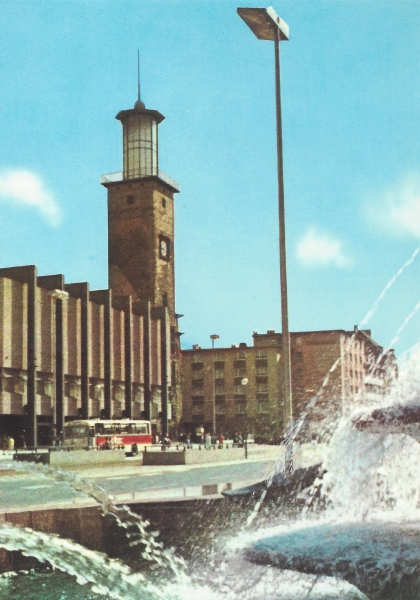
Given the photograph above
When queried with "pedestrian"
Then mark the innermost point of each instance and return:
(221, 439)
(208, 440)
(165, 442)
(11, 443)
(188, 441)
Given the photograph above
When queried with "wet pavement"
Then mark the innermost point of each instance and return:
(34, 487)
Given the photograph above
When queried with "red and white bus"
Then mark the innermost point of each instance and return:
(104, 434)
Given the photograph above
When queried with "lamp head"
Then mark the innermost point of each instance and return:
(265, 23)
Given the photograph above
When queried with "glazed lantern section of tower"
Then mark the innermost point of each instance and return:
(140, 141)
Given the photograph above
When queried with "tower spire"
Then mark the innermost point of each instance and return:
(139, 104)
(138, 75)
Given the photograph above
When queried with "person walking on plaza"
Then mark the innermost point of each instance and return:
(221, 439)
(208, 440)
(166, 441)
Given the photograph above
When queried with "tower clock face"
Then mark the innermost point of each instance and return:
(164, 248)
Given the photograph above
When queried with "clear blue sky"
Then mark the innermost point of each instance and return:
(351, 122)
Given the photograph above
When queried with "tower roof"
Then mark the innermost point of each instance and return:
(139, 107)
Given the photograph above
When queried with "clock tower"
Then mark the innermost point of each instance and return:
(141, 257)
(141, 216)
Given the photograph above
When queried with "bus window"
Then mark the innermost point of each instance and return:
(128, 428)
(142, 428)
(75, 431)
(99, 428)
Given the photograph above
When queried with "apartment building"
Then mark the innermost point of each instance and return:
(240, 388)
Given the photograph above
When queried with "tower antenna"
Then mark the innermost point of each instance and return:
(138, 75)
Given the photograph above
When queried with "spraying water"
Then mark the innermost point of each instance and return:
(368, 496)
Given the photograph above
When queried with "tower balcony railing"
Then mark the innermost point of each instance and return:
(118, 176)
(112, 177)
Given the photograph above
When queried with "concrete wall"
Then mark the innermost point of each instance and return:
(86, 458)
(83, 525)
(192, 457)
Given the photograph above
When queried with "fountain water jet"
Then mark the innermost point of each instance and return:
(232, 578)
(368, 531)
(136, 529)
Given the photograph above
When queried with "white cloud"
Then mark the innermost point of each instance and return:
(317, 249)
(397, 209)
(25, 188)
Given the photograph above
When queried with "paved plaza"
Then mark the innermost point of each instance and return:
(25, 486)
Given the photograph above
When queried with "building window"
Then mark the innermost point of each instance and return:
(198, 409)
(239, 373)
(239, 364)
(240, 398)
(261, 366)
(130, 199)
(197, 366)
(163, 202)
(261, 362)
(118, 392)
(20, 385)
(44, 387)
(219, 365)
(197, 406)
(219, 383)
(164, 248)
(198, 384)
(240, 408)
(261, 371)
(262, 388)
(263, 406)
(220, 405)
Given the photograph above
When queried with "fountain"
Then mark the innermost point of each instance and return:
(358, 533)
(364, 525)
(348, 529)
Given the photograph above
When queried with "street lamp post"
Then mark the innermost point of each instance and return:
(267, 25)
(244, 383)
(213, 337)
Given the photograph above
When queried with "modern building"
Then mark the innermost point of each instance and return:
(243, 384)
(69, 352)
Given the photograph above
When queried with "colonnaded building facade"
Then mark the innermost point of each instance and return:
(243, 384)
(69, 352)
